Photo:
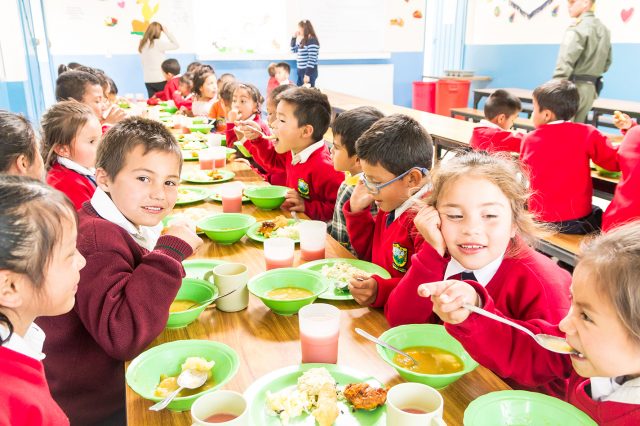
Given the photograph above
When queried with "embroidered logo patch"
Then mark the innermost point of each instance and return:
(400, 257)
(303, 188)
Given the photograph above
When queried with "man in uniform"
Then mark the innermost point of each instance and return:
(585, 54)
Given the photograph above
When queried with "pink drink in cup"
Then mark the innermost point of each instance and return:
(278, 253)
(205, 158)
(308, 254)
(231, 195)
(313, 237)
(319, 332)
(219, 156)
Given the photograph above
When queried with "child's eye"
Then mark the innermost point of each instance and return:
(171, 183)
(144, 179)
(454, 216)
(585, 317)
(490, 216)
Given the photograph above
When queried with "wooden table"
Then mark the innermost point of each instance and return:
(265, 341)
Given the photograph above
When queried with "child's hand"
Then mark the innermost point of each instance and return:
(448, 298)
(361, 198)
(428, 222)
(239, 133)
(363, 289)
(622, 121)
(232, 116)
(249, 129)
(114, 115)
(186, 232)
(293, 201)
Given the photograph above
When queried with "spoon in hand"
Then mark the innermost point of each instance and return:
(188, 379)
(258, 131)
(552, 343)
(385, 344)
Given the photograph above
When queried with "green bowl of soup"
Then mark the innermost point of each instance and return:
(226, 228)
(147, 370)
(267, 197)
(202, 128)
(286, 290)
(182, 311)
(441, 359)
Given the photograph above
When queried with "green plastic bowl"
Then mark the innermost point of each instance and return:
(143, 374)
(202, 128)
(196, 290)
(434, 335)
(199, 120)
(287, 277)
(242, 149)
(523, 408)
(266, 197)
(226, 228)
(607, 173)
(230, 152)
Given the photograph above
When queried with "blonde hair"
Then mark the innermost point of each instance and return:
(502, 171)
(613, 260)
(153, 32)
(60, 125)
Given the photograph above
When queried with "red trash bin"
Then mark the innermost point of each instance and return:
(451, 94)
(424, 96)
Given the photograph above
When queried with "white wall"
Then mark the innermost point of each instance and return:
(12, 55)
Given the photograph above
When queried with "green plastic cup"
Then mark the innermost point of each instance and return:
(196, 290)
(226, 228)
(267, 197)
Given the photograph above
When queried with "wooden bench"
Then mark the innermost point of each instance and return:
(476, 115)
(565, 247)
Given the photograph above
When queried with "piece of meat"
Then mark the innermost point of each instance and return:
(267, 228)
(364, 397)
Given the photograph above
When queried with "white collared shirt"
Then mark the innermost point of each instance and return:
(483, 275)
(72, 165)
(610, 389)
(29, 345)
(304, 155)
(557, 122)
(146, 236)
(409, 202)
(487, 123)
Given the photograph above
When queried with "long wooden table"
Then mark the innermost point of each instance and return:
(265, 341)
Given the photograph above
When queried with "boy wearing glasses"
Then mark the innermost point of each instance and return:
(395, 154)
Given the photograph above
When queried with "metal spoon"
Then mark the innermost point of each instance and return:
(270, 137)
(188, 379)
(215, 299)
(384, 344)
(295, 217)
(551, 343)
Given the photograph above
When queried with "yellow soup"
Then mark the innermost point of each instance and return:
(288, 293)
(181, 305)
(430, 360)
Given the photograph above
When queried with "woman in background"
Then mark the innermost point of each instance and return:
(305, 43)
(151, 51)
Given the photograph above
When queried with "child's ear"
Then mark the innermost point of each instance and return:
(500, 119)
(307, 131)
(102, 179)
(62, 150)
(9, 289)
(414, 178)
(22, 164)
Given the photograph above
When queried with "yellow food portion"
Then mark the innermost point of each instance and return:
(169, 384)
(181, 305)
(288, 293)
(431, 360)
(197, 363)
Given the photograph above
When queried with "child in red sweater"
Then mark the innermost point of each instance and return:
(19, 148)
(603, 327)
(302, 118)
(395, 154)
(71, 135)
(625, 206)
(557, 155)
(40, 280)
(476, 223)
(493, 133)
(245, 106)
(132, 273)
(171, 72)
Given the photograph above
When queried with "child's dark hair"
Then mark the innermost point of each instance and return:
(17, 138)
(227, 77)
(100, 75)
(226, 93)
(310, 107)
(31, 223)
(113, 89)
(307, 32)
(73, 84)
(350, 125)
(60, 125)
(170, 66)
(501, 102)
(279, 89)
(193, 66)
(68, 67)
(200, 76)
(187, 78)
(397, 143)
(122, 138)
(254, 94)
(284, 65)
(558, 96)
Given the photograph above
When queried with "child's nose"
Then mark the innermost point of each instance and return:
(566, 324)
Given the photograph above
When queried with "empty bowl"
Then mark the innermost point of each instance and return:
(226, 228)
(266, 197)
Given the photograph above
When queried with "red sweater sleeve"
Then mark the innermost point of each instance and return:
(325, 183)
(494, 140)
(360, 227)
(265, 155)
(74, 185)
(602, 151)
(124, 307)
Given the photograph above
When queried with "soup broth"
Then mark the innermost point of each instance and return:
(431, 360)
(170, 384)
(220, 417)
(181, 305)
(288, 293)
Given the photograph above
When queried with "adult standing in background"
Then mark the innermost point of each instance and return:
(305, 43)
(585, 54)
(152, 49)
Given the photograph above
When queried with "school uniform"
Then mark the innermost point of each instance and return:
(272, 164)
(77, 182)
(167, 93)
(339, 223)
(490, 137)
(25, 399)
(231, 134)
(131, 277)
(272, 84)
(557, 155)
(201, 108)
(625, 205)
(527, 288)
(606, 401)
(390, 240)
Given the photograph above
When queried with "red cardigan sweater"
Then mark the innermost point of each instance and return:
(491, 139)
(625, 205)
(606, 413)
(231, 135)
(25, 399)
(122, 304)
(527, 289)
(558, 158)
(391, 247)
(74, 185)
(263, 152)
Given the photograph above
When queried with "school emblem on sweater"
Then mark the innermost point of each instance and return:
(399, 257)
(303, 188)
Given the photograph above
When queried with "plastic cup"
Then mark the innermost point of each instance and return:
(219, 156)
(214, 139)
(278, 252)
(319, 331)
(313, 238)
(223, 407)
(414, 404)
(231, 195)
(228, 277)
(205, 159)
